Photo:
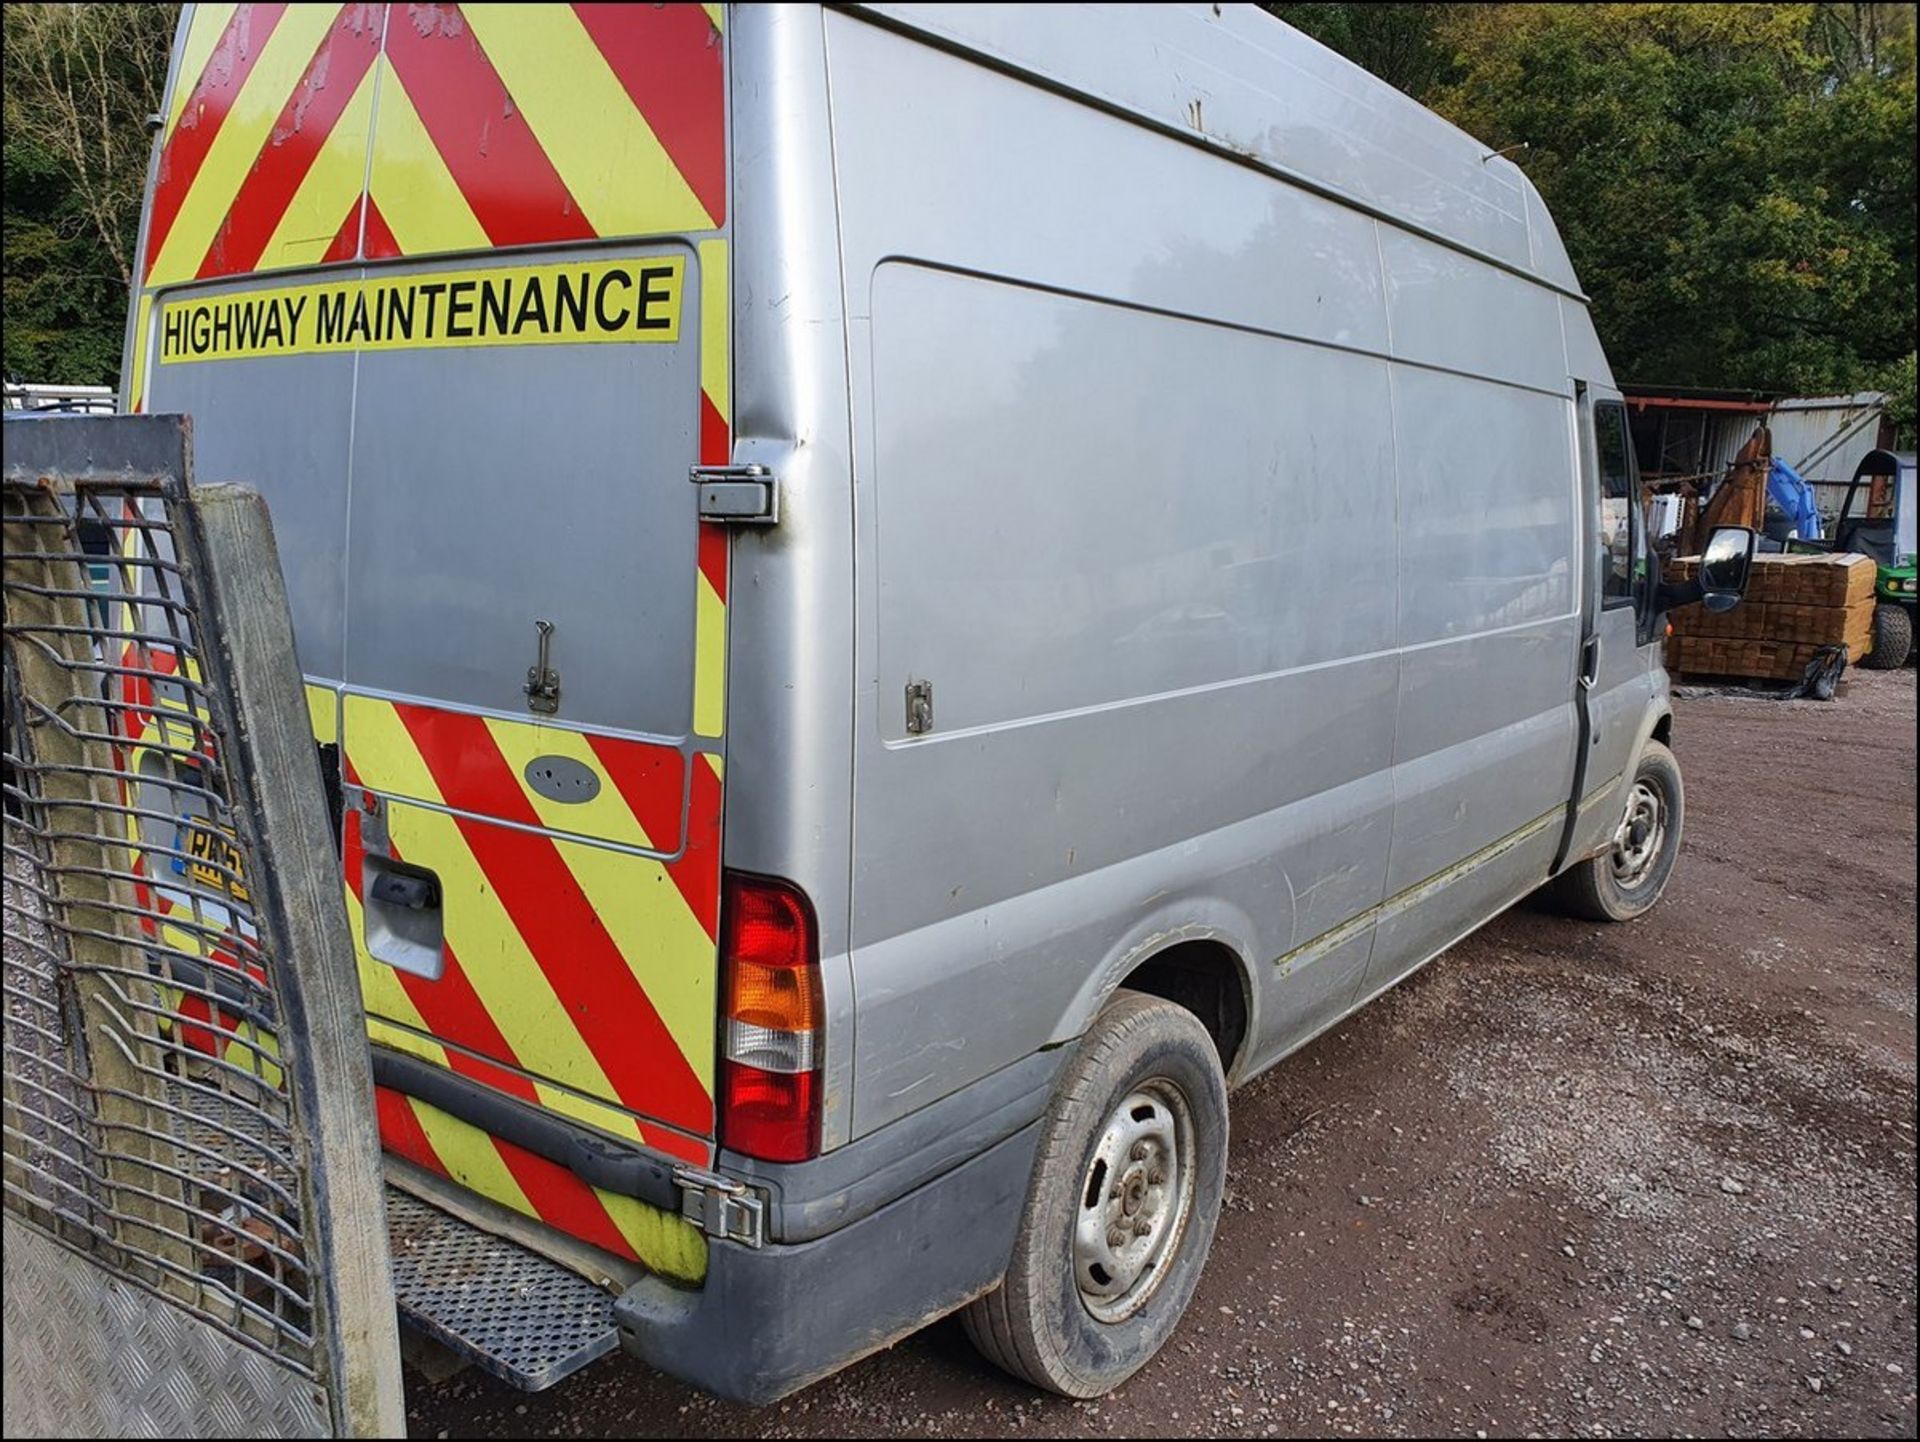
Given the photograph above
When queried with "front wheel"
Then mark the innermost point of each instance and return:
(1892, 638)
(1121, 1209)
(1627, 878)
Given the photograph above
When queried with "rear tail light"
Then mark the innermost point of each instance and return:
(771, 1020)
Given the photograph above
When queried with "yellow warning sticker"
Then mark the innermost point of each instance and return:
(635, 298)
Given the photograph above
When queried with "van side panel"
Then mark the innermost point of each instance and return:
(1237, 545)
(1124, 532)
(1110, 482)
(1488, 600)
(1229, 75)
(1483, 763)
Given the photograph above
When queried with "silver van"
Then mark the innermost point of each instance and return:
(896, 599)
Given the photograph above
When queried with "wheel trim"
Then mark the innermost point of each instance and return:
(1640, 837)
(1135, 1198)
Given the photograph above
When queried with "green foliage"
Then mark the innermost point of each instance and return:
(63, 307)
(1740, 209)
(79, 82)
(1898, 381)
(1734, 183)
(1397, 42)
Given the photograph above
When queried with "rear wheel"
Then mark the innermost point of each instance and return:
(1627, 878)
(1892, 638)
(1121, 1209)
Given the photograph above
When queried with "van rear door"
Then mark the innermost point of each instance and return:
(499, 495)
(449, 285)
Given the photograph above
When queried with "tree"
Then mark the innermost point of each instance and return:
(1399, 43)
(80, 81)
(1898, 381)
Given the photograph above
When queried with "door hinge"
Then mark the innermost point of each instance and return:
(721, 1207)
(739, 495)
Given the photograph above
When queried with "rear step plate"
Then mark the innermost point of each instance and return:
(525, 1319)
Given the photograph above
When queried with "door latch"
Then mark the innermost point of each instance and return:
(919, 707)
(543, 682)
(721, 1207)
(739, 495)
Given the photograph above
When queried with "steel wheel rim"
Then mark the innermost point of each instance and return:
(1135, 1198)
(1641, 835)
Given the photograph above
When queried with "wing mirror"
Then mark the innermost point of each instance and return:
(1725, 566)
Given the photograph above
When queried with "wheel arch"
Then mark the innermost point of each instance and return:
(1200, 965)
(1205, 976)
(1657, 726)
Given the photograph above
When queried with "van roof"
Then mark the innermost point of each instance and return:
(1240, 80)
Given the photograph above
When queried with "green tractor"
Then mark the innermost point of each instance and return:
(1877, 520)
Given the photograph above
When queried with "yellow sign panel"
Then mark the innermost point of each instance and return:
(634, 298)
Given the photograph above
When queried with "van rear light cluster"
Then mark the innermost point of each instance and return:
(770, 1079)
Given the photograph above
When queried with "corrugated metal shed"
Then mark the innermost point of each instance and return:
(1825, 437)
(1690, 433)
(1725, 438)
(1687, 433)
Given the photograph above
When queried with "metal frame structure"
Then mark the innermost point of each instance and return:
(195, 1234)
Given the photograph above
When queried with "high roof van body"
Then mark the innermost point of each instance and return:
(896, 598)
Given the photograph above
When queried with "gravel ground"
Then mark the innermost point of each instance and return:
(1570, 1179)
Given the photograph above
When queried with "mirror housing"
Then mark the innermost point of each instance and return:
(1725, 565)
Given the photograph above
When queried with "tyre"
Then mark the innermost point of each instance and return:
(1892, 638)
(1122, 1206)
(1627, 878)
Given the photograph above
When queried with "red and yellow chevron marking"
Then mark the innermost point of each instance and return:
(182, 918)
(532, 1185)
(716, 449)
(585, 965)
(323, 713)
(639, 803)
(312, 164)
(497, 1169)
(496, 125)
(404, 1010)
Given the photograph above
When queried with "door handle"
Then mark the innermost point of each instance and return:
(414, 892)
(1590, 663)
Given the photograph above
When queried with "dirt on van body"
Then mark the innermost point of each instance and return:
(1570, 1179)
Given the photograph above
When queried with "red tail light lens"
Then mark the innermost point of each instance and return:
(774, 1116)
(770, 1041)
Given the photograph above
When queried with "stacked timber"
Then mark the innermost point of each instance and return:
(1795, 607)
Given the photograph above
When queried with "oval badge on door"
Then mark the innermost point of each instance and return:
(561, 778)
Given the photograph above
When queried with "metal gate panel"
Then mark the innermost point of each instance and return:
(195, 1230)
(127, 1364)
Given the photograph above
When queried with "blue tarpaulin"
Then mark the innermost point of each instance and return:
(1790, 492)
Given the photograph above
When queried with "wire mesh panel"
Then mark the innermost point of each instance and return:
(180, 1096)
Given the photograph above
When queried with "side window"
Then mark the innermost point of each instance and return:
(1619, 508)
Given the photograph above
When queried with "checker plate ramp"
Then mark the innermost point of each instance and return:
(525, 1319)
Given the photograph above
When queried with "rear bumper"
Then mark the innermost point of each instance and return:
(769, 1320)
(862, 1246)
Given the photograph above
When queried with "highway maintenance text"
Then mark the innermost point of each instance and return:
(601, 299)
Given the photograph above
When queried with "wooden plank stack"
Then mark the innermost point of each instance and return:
(1794, 606)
